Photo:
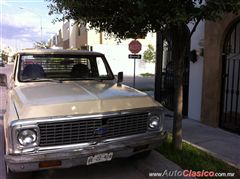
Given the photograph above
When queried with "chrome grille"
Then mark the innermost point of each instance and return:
(90, 130)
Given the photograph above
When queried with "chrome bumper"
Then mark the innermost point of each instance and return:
(70, 158)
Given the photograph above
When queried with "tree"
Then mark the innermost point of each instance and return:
(149, 54)
(132, 18)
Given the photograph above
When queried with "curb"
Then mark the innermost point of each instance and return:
(210, 153)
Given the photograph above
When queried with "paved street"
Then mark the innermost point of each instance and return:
(146, 83)
(121, 168)
(2, 165)
(7, 70)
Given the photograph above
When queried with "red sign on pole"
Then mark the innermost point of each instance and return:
(135, 46)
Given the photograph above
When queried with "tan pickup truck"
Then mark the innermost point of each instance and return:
(65, 108)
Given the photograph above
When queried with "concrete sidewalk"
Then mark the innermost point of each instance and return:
(219, 143)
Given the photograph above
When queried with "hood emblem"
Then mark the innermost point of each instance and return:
(101, 130)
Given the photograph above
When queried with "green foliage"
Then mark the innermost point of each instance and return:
(147, 74)
(4, 56)
(149, 54)
(129, 18)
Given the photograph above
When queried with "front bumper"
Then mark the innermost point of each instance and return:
(78, 156)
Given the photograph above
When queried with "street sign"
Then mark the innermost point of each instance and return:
(134, 56)
(135, 46)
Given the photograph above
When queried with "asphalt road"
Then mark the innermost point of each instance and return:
(6, 70)
(129, 168)
(145, 83)
(120, 168)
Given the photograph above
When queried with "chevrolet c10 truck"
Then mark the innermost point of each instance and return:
(65, 108)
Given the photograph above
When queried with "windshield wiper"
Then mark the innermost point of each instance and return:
(42, 80)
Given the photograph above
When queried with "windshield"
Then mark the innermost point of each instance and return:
(63, 67)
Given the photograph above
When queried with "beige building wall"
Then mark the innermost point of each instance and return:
(65, 34)
(60, 38)
(65, 31)
(72, 34)
(77, 36)
(82, 36)
(93, 37)
(96, 38)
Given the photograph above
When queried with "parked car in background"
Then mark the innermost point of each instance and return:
(65, 108)
(2, 62)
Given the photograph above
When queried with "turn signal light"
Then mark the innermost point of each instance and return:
(51, 163)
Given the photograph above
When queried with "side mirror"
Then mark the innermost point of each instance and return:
(3, 80)
(120, 77)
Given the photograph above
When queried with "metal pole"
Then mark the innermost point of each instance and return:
(158, 67)
(134, 72)
(41, 27)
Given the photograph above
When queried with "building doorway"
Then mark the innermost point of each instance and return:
(230, 99)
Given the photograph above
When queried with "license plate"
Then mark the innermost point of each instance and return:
(99, 158)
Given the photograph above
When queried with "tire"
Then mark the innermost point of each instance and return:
(20, 175)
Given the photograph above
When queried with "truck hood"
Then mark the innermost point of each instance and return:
(45, 99)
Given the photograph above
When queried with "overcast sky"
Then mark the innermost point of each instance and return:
(21, 23)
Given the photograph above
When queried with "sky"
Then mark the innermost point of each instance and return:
(21, 21)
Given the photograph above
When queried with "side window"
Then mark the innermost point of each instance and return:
(101, 67)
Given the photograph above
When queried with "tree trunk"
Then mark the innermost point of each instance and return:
(180, 39)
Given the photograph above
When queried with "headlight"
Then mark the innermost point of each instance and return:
(154, 122)
(27, 137)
